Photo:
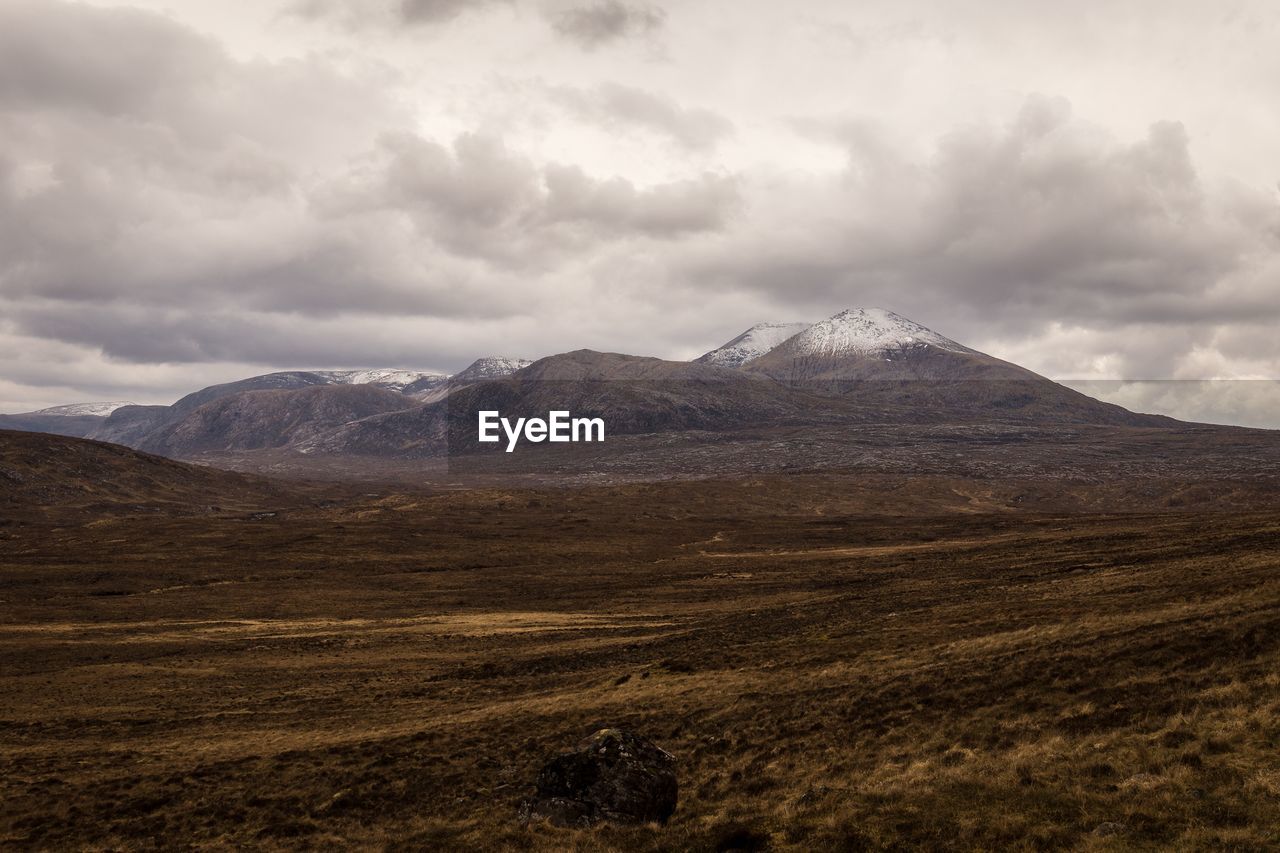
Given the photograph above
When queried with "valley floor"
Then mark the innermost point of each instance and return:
(389, 671)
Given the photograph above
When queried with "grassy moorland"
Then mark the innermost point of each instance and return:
(388, 669)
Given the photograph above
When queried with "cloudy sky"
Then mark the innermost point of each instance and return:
(193, 191)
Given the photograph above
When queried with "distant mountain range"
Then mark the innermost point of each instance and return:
(858, 366)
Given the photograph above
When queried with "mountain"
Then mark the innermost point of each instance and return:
(751, 344)
(128, 425)
(76, 419)
(870, 333)
(489, 368)
(389, 379)
(633, 394)
(392, 379)
(134, 426)
(153, 427)
(77, 426)
(77, 409)
(885, 360)
(586, 365)
(861, 366)
(428, 390)
(871, 344)
(255, 420)
(426, 386)
(164, 429)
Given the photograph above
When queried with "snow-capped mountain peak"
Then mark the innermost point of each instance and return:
(752, 343)
(491, 367)
(868, 331)
(75, 409)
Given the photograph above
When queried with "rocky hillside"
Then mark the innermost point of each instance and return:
(254, 420)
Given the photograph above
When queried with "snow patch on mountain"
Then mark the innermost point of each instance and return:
(77, 409)
(494, 367)
(752, 343)
(391, 378)
(867, 331)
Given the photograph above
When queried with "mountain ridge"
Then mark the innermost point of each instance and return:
(859, 365)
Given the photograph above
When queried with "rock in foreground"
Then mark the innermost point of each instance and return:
(612, 775)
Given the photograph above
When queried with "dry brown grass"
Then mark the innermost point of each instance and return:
(390, 672)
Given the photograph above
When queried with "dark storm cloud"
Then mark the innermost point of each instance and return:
(605, 21)
(54, 55)
(430, 11)
(623, 108)
(479, 200)
(143, 335)
(389, 12)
